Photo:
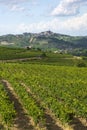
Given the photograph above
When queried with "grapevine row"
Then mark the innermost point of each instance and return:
(7, 111)
(62, 89)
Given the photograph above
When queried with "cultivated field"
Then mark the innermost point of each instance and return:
(42, 97)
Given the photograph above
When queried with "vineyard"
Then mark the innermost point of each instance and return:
(50, 97)
(12, 55)
(17, 53)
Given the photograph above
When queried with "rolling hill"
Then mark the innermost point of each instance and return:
(45, 40)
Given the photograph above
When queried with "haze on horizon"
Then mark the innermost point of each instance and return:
(60, 16)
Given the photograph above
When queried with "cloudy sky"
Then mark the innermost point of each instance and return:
(61, 16)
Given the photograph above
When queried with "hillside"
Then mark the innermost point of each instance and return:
(42, 97)
(45, 40)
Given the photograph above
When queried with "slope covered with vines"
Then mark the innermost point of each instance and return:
(62, 90)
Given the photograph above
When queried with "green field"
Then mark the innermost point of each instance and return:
(17, 53)
(37, 57)
(62, 90)
(51, 91)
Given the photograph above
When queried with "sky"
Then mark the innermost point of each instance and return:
(60, 16)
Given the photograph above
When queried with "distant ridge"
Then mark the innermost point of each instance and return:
(46, 40)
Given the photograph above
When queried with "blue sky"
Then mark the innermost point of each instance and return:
(61, 16)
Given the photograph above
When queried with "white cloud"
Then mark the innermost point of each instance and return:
(17, 8)
(12, 2)
(68, 7)
(74, 26)
(17, 5)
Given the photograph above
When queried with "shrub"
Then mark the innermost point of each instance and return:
(43, 54)
(81, 64)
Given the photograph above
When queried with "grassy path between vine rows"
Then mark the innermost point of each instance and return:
(22, 121)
